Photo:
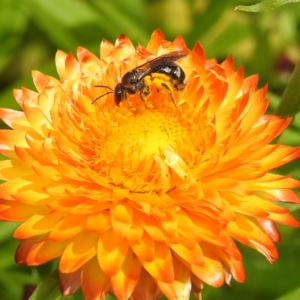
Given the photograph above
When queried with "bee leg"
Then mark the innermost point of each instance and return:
(173, 100)
(144, 93)
(168, 88)
(127, 101)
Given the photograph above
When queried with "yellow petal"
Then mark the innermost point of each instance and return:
(112, 251)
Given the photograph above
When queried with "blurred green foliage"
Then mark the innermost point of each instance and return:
(267, 43)
(265, 5)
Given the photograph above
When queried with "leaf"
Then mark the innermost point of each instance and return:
(48, 289)
(290, 102)
(293, 295)
(266, 5)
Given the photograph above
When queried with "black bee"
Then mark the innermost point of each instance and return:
(161, 72)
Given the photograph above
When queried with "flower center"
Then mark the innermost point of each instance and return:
(148, 149)
(147, 133)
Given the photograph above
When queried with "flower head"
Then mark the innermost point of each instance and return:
(146, 197)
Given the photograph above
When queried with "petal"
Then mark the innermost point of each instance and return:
(68, 227)
(79, 251)
(180, 288)
(95, 284)
(112, 251)
(124, 282)
(24, 248)
(60, 63)
(16, 212)
(9, 139)
(146, 288)
(155, 41)
(121, 217)
(161, 268)
(189, 251)
(38, 224)
(70, 283)
(14, 119)
(211, 273)
(44, 250)
(145, 248)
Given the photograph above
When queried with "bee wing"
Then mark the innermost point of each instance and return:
(151, 65)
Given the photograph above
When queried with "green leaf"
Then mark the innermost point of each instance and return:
(265, 5)
(48, 289)
(290, 102)
(293, 295)
(109, 297)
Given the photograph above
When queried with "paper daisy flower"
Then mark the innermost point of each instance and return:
(147, 197)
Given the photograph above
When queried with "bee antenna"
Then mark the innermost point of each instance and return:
(104, 86)
(110, 92)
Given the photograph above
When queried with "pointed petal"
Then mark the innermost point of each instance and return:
(79, 251)
(146, 288)
(121, 216)
(180, 288)
(112, 251)
(69, 283)
(161, 268)
(124, 282)
(95, 284)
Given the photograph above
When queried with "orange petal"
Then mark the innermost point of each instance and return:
(89, 63)
(197, 287)
(24, 248)
(60, 59)
(44, 250)
(14, 119)
(144, 249)
(112, 251)
(40, 81)
(188, 250)
(211, 273)
(151, 226)
(282, 195)
(161, 268)
(271, 229)
(79, 250)
(16, 212)
(99, 222)
(135, 233)
(124, 282)
(286, 219)
(38, 224)
(9, 139)
(180, 288)
(69, 283)
(72, 66)
(121, 217)
(156, 40)
(146, 288)
(95, 284)
(13, 186)
(68, 227)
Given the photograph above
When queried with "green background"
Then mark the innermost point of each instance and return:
(265, 43)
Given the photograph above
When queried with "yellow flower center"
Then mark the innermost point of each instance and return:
(146, 148)
(147, 133)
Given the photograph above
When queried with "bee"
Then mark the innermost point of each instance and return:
(161, 72)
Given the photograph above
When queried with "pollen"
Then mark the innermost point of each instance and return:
(148, 133)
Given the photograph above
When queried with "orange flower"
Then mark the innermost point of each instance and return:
(144, 199)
